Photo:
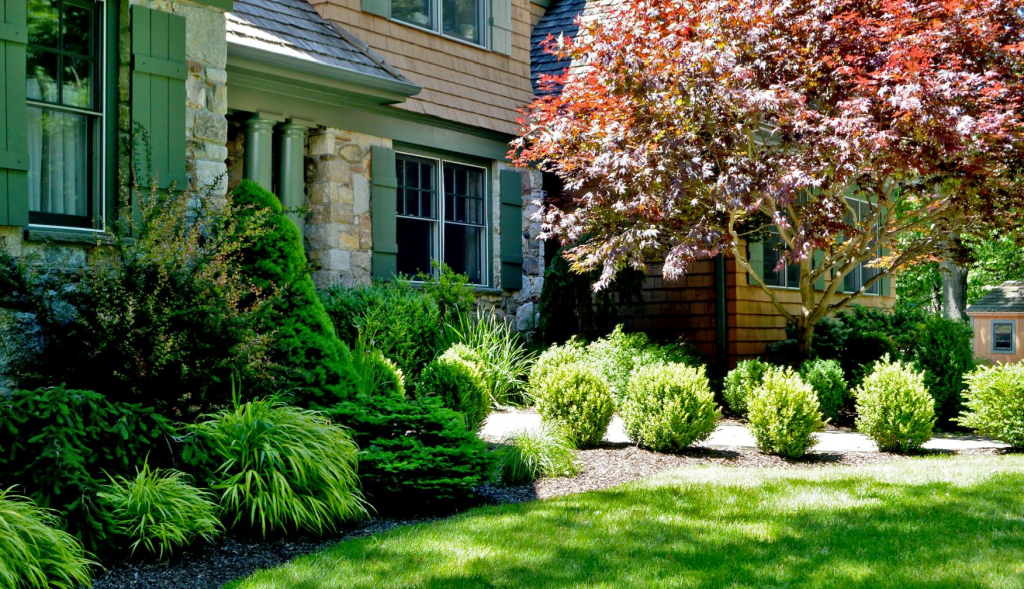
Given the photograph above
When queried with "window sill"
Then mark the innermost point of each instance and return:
(67, 236)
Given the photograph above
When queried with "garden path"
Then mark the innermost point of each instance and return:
(731, 435)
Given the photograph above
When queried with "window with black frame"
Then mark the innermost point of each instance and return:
(65, 112)
(1003, 337)
(459, 19)
(455, 234)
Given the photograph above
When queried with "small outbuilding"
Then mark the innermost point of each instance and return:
(997, 319)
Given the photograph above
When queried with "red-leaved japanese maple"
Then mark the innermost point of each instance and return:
(686, 128)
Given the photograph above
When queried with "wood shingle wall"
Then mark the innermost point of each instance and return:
(461, 82)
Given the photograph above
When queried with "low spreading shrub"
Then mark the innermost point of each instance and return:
(505, 358)
(669, 406)
(392, 317)
(278, 467)
(829, 384)
(456, 379)
(57, 444)
(578, 399)
(894, 408)
(784, 415)
(415, 454)
(160, 510)
(34, 552)
(741, 382)
(994, 403)
(533, 453)
(551, 360)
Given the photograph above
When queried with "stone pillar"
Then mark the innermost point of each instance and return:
(291, 172)
(259, 150)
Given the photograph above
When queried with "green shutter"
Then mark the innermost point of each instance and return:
(819, 258)
(13, 115)
(158, 96)
(511, 229)
(378, 7)
(886, 284)
(755, 257)
(383, 212)
(501, 26)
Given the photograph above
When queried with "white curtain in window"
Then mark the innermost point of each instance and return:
(58, 155)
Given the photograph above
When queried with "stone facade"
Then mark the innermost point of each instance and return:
(338, 233)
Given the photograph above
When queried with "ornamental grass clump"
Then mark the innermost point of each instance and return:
(34, 552)
(894, 407)
(784, 415)
(456, 378)
(533, 453)
(829, 384)
(506, 360)
(669, 407)
(278, 467)
(161, 510)
(741, 382)
(578, 399)
(994, 403)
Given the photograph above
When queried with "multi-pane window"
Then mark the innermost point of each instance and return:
(442, 215)
(862, 273)
(459, 19)
(65, 112)
(1003, 337)
(786, 277)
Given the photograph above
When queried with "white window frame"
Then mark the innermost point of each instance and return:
(1013, 336)
(858, 270)
(101, 158)
(436, 16)
(438, 231)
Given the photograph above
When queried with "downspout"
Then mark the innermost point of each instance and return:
(721, 316)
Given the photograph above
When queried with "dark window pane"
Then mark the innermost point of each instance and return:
(463, 251)
(412, 174)
(771, 261)
(415, 12)
(415, 245)
(1002, 337)
(41, 83)
(792, 276)
(77, 82)
(415, 187)
(43, 24)
(851, 283)
(427, 205)
(461, 19)
(78, 30)
(58, 146)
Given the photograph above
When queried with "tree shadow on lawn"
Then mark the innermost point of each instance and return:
(770, 530)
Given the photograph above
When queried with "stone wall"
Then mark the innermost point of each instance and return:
(338, 233)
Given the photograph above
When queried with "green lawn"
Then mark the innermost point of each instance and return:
(924, 522)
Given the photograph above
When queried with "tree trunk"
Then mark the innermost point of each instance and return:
(804, 332)
(954, 291)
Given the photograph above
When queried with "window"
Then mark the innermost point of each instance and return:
(1003, 337)
(459, 19)
(442, 215)
(65, 112)
(786, 277)
(862, 273)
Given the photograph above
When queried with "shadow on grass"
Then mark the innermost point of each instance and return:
(784, 530)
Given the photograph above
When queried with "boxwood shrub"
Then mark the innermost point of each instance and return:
(669, 406)
(456, 378)
(829, 384)
(894, 407)
(578, 399)
(741, 381)
(552, 359)
(784, 414)
(994, 403)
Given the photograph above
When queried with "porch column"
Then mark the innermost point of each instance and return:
(259, 150)
(291, 168)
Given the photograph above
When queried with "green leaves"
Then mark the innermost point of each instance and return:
(784, 414)
(894, 407)
(995, 403)
(506, 360)
(457, 378)
(529, 454)
(34, 552)
(578, 399)
(741, 382)
(669, 407)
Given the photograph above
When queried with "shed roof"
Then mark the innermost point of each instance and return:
(293, 28)
(560, 19)
(1008, 297)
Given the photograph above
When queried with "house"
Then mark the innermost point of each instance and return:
(716, 306)
(995, 319)
(387, 121)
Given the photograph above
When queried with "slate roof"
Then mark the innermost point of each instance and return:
(560, 19)
(294, 28)
(1008, 297)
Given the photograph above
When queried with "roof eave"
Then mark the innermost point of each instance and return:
(386, 91)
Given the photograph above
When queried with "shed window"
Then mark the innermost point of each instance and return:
(1004, 337)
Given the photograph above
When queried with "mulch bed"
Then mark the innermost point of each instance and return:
(232, 557)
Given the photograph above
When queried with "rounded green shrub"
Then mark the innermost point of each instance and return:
(552, 359)
(532, 453)
(784, 415)
(741, 382)
(279, 467)
(578, 399)
(161, 510)
(994, 403)
(615, 356)
(894, 407)
(34, 551)
(459, 383)
(669, 406)
(829, 384)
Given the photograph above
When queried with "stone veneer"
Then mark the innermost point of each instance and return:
(338, 233)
